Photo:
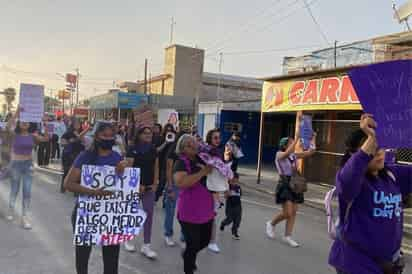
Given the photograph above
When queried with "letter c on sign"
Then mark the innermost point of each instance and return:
(295, 94)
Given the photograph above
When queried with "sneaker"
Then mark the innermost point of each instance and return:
(236, 236)
(129, 246)
(269, 230)
(10, 215)
(222, 227)
(288, 240)
(169, 241)
(25, 222)
(148, 252)
(213, 247)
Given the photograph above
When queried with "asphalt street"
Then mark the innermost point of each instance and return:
(48, 248)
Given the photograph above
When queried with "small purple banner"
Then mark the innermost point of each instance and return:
(306, 131)
(385, 90)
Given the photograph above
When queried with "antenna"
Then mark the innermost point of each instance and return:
(403, 12)
(172, 27)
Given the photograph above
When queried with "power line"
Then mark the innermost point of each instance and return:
(316, 22)
(269, 50)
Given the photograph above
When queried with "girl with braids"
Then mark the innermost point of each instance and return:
(99, 154)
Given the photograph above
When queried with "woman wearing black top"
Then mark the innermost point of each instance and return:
(72, 142)
(144, 155)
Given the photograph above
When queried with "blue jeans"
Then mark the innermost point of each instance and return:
(169, 208)
(21, 171)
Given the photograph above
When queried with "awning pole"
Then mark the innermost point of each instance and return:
(259, 163)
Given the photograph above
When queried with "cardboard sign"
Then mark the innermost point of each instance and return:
(144, 117)
(306, 131)
(173, 119)
(112, 219)
(31, 103)
(385, 90)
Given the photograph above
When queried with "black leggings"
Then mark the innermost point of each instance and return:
(197, 237)
(233, 214)
(82, 255)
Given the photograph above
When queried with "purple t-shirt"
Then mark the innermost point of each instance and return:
(195, 204)
(286, 166)
(89, 158)
(23, 144)
(375, 219)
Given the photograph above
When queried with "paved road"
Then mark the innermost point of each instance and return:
(48, 247)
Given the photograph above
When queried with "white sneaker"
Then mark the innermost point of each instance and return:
(10, 215)
(148, 252)
(213, 247)
(169, 241)
(25, 221)
(129, 246)
(288, 240)
(269, 230)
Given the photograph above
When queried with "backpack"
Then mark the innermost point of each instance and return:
(333, 223)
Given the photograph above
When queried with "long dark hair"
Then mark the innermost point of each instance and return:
(140, 132)
(210, 135)
(32, 128)
(353, 143)
(166, 130)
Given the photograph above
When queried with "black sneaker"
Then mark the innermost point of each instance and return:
(236, 236)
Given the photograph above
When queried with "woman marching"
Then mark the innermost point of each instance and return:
(24, 138)
(371, 196)
(144, 156)
(195, 209)
(73, 144)
(100, 154)
(286, 164)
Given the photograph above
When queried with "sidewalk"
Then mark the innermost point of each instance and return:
(313, 197)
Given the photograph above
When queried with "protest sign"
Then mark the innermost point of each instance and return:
(3, 125)
(385, 90)
(173, 119)
(31, 103)
(144, 116)
(110, 219)
(306, 131)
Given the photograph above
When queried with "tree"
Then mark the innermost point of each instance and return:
(10, 94)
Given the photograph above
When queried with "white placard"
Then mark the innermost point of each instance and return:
(111, 219)
(31, 103)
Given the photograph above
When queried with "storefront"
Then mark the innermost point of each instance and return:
(115, 105)
(331, 100)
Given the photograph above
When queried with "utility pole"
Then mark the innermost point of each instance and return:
(219, 80)
(77, 86)
(335, 52)
(145, 76)
(172, 28)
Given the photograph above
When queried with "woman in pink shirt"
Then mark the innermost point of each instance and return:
(195, 206)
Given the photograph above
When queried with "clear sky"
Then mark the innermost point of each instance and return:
(109, 39)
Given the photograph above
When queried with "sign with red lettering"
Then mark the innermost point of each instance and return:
(331, 93)
(110, 219)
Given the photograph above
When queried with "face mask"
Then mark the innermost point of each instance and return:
(105, 144)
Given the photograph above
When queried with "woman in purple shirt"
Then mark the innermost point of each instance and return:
(24, 138)
(371, 196)
(195, 206)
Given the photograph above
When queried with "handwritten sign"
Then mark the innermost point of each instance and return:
(144, 116)
(31, 103)
(110, 219)
(385, 90)
(306, 131)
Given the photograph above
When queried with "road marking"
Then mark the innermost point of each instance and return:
(266, 205)
(130, 268)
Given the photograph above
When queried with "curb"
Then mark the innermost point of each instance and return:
(49, 170)
(308, 203)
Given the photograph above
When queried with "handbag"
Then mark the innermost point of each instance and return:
(297, 183)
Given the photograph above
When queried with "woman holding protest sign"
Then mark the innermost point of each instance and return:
(100, 154)
(371, 198)
(144, 155)
(286, 194)
(24, 137)
(195, 204)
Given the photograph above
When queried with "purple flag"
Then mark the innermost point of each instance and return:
(385, 90)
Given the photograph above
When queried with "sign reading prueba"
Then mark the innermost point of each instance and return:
(110, 219)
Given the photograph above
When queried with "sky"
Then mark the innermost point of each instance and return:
(109, 39)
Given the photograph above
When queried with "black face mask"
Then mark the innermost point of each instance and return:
(105, 144)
